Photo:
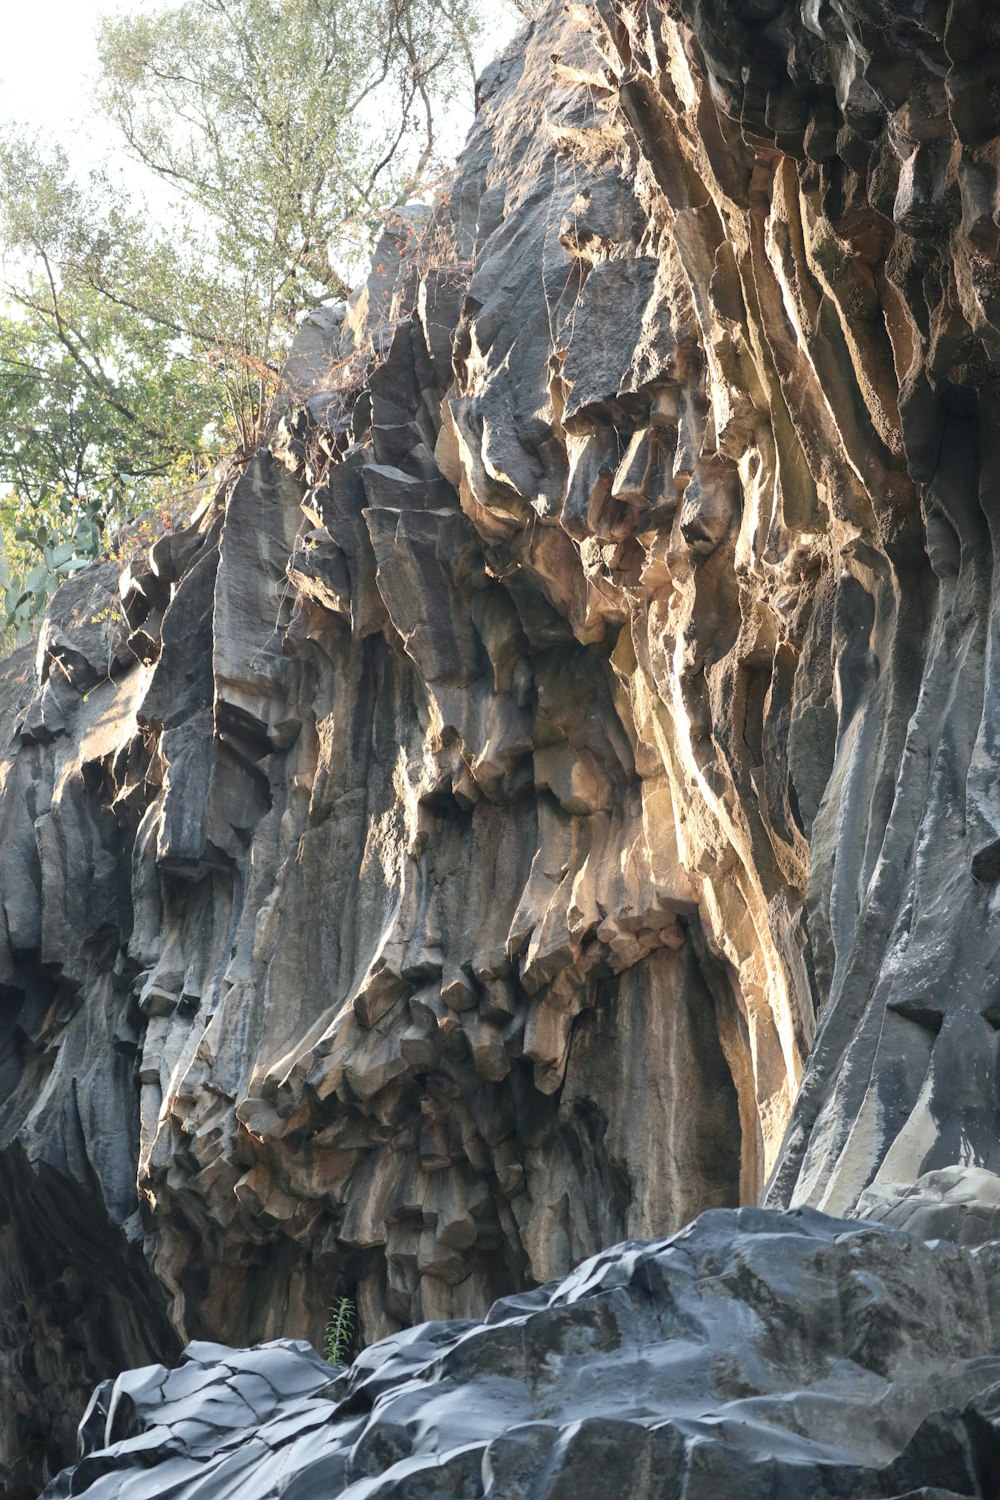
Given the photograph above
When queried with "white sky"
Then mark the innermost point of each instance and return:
(47, 62)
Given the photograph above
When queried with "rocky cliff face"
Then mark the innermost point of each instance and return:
(553, 790)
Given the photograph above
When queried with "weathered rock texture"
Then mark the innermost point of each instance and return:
(757, 1356)
(584, 712)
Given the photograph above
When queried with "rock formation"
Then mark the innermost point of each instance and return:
(629, 1377)
(554, 790)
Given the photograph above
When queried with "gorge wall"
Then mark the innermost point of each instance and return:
(553, 790)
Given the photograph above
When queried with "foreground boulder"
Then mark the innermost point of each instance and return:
(755, 1356)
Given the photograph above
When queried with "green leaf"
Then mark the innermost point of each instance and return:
(340, 1331)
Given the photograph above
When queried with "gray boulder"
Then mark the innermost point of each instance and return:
(754, 1356)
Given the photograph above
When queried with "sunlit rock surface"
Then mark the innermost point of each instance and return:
(555, 789)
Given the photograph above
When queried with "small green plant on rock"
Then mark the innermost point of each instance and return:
(339, 1340)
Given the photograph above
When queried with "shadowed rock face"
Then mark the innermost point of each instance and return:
(553, 790)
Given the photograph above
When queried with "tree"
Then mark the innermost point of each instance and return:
(281, 133)
(87, 407)
(291, 125)
(96, 404)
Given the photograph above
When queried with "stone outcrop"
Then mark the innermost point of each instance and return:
(756, 1356)
(553, 790)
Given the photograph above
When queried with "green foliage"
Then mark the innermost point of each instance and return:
(39, 553)
(339, 1340)
(281, 135)
(290, 124)
(64, 421)
(276, 136)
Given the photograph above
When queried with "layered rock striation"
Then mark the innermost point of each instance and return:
(553, 790)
